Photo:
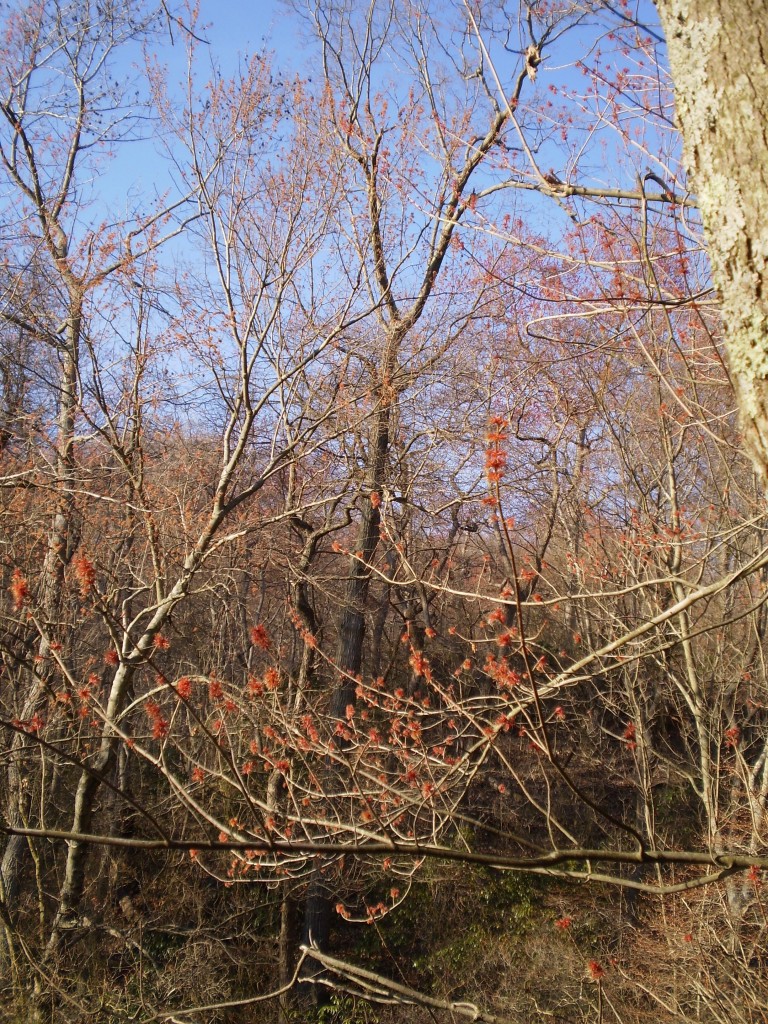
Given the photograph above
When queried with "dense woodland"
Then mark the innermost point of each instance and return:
(383, 573)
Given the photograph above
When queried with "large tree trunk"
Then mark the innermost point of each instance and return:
(717, 53)
(349, 650)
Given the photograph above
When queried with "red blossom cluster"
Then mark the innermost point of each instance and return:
(495, 455)
(260, 637)
(184, 687)
(732, 736)
(157, 718)
(596, 970)
(31, 725)
(85, 573)
(629, 736)
(19, 590)
(501, 672)
(420, 664)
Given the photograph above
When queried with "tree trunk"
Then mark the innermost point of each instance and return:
(288, 939)
(717, 54)
(349, 650)
(61, 543)
(73, 886)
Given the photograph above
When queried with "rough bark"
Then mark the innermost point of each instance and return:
(718, 54)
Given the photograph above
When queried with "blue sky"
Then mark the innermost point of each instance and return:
(238, 28)
(235, 30)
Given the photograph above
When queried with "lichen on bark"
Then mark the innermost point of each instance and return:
(717, 54)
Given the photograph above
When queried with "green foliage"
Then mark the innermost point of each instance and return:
(452, 922)
(342, 1009)
(496, 905)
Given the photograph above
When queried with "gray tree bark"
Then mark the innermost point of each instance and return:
(718, 55)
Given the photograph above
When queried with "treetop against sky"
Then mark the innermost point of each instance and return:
(573, 138)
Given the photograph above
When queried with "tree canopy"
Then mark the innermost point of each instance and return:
(383, 505)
